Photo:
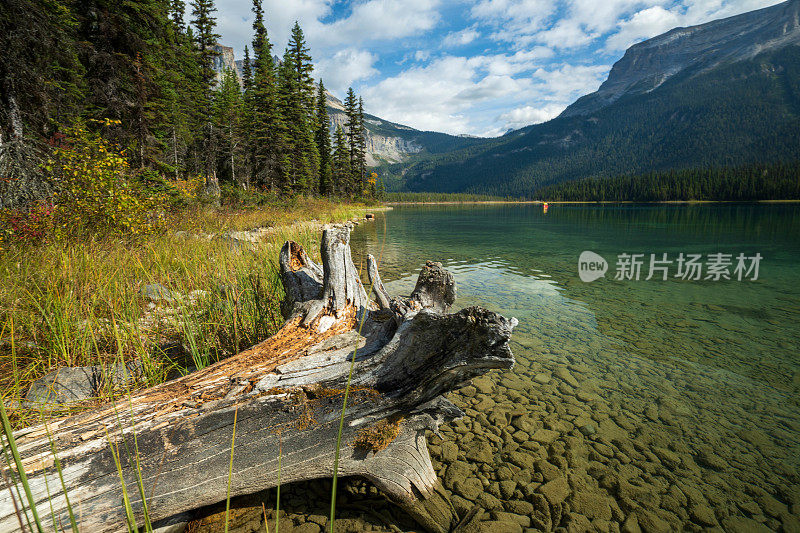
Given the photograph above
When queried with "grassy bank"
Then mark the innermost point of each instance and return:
(171, 301)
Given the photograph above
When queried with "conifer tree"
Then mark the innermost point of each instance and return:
(265, 121)
(323, 140)
(351, 133)
(340, 170)
(177, 9)
(247, 70)
(299, 158)
(304, 83)
(206, 39)
(228, 120)
(361, 140)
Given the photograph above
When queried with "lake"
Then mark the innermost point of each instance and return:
(650, 403)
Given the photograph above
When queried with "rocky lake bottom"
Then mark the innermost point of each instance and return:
(631, 407)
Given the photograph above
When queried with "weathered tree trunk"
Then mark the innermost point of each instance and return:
(286, 394)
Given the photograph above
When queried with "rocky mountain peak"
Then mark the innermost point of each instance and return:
(694, 49)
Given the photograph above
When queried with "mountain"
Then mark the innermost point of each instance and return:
(698, 49)
(387, 142)
(724, 93)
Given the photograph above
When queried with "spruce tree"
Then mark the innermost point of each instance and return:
(247, 70)
(303, 67)
(303, 108)
(177, 9)
(351, 133)
(228, 120)
(266, 143)
(340, 164)
(206, 39)
(361, 140)
(299, 158)
(323, 140)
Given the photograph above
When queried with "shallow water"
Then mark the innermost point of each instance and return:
(662, 404)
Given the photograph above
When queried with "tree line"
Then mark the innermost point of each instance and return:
(779, 181)
(142, 75)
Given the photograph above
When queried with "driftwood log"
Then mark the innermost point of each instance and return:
(286, 394)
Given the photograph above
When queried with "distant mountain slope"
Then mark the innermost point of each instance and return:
(647, 65)
(720, 94)
(387, 142)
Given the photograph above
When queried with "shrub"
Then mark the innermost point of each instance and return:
(96, 192)
(31, 225)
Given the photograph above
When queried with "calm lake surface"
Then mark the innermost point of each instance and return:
(663, 404)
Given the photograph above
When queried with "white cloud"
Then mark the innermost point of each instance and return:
(642, 25)
(460, 38)
(345, 67)
(527, 115)
(378, 20)
(422, 55)
(568, 82)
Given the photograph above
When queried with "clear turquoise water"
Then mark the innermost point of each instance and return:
(699, 367)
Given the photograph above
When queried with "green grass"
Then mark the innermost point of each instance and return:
(78, 303)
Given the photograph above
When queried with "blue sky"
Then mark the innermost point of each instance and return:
(477, 67)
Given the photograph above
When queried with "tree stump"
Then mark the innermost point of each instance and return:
(286, 394)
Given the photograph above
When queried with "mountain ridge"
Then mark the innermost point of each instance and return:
(744, 36)
(733, 106)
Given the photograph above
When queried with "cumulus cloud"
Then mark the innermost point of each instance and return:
(344, 68)
(460, 38)
(496, 64)
(527, 115)
(642, 25)
(376, 20)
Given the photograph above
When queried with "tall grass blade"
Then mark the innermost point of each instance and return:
(148, 527)
(341, 425)
(57, 463)
(13, 499)
(126, 502)
(230, 471)
(9, 434)
(278, 494)
(264, 510)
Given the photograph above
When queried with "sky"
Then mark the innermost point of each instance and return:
(478, 67)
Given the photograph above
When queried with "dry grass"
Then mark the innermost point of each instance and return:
(80, 303)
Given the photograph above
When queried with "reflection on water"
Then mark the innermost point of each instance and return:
(675, 402)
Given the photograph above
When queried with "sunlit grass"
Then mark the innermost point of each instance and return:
(79, 303)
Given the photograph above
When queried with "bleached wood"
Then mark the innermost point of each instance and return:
(288, 393)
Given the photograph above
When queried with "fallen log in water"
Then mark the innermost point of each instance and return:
(286, 394)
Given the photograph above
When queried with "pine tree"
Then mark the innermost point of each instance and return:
(205, 38)
(177, 9)
(323, 140)
(361, 140)
(299, 159)
(266, 144)
(340, 170)
(228, 120)
(351, 133)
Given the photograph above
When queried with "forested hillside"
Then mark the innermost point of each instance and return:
(749, 182)
(140, 76)
(738, 113)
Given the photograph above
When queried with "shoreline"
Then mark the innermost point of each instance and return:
(593, 202)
